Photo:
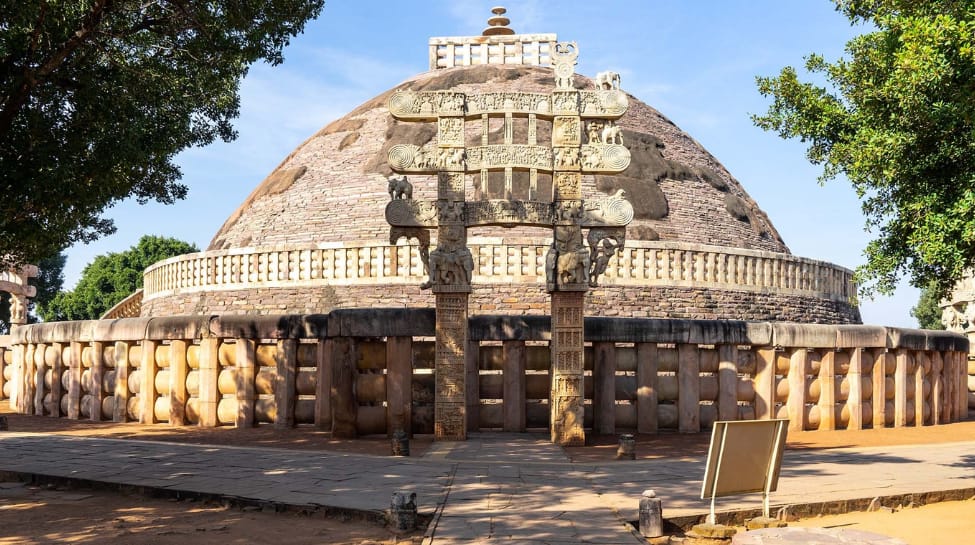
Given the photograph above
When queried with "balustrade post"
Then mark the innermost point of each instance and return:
(97, 354)
(827, 391)
(75, 370)
(399, 385)
(514, 358)
(57, 376)
(900, 388)
(727, 382)
(646, 393)
(921, 360)
(854, 401)
(881, 360)
(147, 390)
(209, 375)
(323, 386)
(765, 383)
(796, 402)
(604, 388)
(962, 368)
(345, 406)
(3, 368)
(122, 369)
(688, 388)
(472, 385)
(244, 378)
(285, 390)
(178, 369)
(17, 378)
(40, 369)
(937, 389)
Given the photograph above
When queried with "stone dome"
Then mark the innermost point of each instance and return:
(313, 236)
(333, 186)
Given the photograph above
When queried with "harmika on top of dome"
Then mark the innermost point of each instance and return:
(313, 237)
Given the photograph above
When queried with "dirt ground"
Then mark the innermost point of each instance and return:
(34, 515)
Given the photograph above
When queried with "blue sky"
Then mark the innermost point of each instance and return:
(693, 60)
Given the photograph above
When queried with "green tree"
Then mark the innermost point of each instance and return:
(928, 309)
(97, 97)
(897, 118)
(50, 278)
(111, 277)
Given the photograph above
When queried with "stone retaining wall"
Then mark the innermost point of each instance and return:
(662, 280)
(371, 371)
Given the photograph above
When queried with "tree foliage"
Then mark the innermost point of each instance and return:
(928, 309)
(897, 118)
(111, 277)
(50, 278)
(97, 97)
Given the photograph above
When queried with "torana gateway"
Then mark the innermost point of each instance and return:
(497, 243)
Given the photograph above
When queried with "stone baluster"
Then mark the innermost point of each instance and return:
(514, 361)
(688, 388)
(122, 368)
(922, 365)
(827, 391)
(472, 385)
(285, 390)
(209, 378)
(900, 388)
(854, 401)
(178, 369)
(40, 369)
(727, 382)
(604, 388)
(345, 407)
(323, 385)
(765, 383)
(75, 370)
(244, 378)
(646, 394)
(399, 385)
(796, 403)
(882, 360)
(937, 389)
(97, 354)
(54, 360)
(147, 390)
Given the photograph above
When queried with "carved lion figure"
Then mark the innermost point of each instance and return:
(400, 188)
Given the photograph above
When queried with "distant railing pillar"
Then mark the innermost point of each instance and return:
(827, 391)
(854, 400)
(147, 390)
(53, 356)
(937, 389)
(882, 360)
(647, 397)
(96, 353)
(178, 369)
(40, 370)
(922, 363)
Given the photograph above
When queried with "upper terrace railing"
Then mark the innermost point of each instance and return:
(496, 261)
(371, 371)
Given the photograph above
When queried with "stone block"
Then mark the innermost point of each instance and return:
(861, 336)
(803, 335)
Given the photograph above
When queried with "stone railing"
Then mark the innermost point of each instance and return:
(533, 49)
(497, 261)
(368, 371)
(130, 307)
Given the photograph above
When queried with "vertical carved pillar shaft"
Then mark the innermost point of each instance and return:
(900, 388)
(40, 372)
(345, 406)
(922, 363)
(765, 383)
(450, 419)
(3, 365)
(827, 391)
(17, 377)
(473, 385)
(604, 388)
(798, 364)
(209, 376)
(323, 385)
(514, 357)
(688, 388)
(881, 362)
(53, 356)
(937, 389)
(567, 401)
(147, 390)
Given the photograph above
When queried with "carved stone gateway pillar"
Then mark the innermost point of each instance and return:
(570, 266)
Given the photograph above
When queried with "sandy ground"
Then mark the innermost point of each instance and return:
(30, 514)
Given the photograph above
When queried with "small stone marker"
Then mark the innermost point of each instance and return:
(402, 511)
(651, 515)
(627, 448)
(401, 443)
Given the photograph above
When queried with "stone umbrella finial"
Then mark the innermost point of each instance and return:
(498, 25)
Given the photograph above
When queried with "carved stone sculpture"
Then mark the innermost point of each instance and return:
(607, 80)
(422, 237)
(612, 134)
(603, 245)
(451, 262)
(567, 263)
(400, 188)
(18, 309)
(593, 131)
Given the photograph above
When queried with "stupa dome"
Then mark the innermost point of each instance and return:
(312, 236)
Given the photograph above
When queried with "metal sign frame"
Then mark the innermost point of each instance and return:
(745, 456)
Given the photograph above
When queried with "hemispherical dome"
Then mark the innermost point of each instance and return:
(333, 187)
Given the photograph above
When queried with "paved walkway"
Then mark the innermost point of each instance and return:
(498, 488)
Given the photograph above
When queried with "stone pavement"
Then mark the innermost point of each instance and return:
(495, 487)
